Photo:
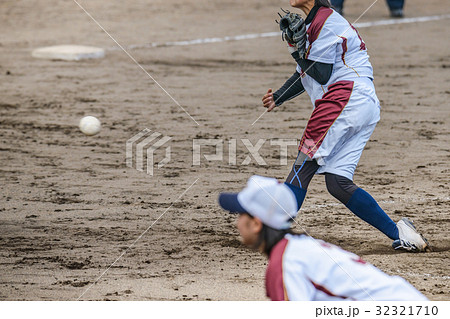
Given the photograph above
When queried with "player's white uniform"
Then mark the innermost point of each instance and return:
(346, 109)
(303, 268)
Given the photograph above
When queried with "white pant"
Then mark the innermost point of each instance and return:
(344, 142)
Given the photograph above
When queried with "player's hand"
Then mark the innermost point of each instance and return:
(268, 101)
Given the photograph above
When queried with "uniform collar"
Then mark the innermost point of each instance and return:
(311, 15)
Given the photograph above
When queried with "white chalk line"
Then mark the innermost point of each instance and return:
(276, 34)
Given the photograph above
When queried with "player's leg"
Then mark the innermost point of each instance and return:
(361, 203)
(325, 114)
(339, 168)
(339, 149)
(396, 8)
(338, 5)
(301, 174)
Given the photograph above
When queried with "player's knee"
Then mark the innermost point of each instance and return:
(340, 187)
(332, 184)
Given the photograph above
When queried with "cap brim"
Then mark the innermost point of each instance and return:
(229, 202)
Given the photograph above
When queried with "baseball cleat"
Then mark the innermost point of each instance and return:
(410, 240)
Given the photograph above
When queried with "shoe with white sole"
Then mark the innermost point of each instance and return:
(410, 239)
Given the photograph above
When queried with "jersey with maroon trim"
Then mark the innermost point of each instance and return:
(303, 268)
(332, 39)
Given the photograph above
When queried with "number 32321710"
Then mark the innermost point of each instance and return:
(406, 310)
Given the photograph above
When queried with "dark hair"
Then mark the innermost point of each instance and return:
(269, 237)
(322, 3)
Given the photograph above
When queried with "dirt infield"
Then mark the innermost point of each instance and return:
(69, 206)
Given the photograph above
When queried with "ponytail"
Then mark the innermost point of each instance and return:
(322, 3)
(269, 237)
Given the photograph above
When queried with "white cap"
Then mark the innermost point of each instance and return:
(265, 198)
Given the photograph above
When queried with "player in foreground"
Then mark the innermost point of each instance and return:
(334, 69)
(301, 267)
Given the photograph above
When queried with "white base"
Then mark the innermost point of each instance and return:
(68, 52)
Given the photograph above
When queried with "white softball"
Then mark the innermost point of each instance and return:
(90, 125)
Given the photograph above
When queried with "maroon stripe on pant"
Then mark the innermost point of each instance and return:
(326, 111)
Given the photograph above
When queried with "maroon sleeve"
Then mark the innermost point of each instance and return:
(317, 25)
(274, 275)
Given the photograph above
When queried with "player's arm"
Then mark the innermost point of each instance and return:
(292, 88)
(321, 72)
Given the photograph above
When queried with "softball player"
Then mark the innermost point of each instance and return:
(336, 73)
(301, 267)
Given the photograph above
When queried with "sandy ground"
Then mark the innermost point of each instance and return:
(69, 206)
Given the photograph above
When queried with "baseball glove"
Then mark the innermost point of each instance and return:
(293, 30)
